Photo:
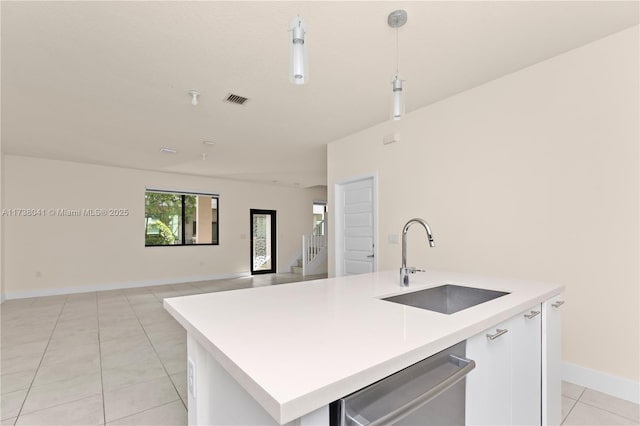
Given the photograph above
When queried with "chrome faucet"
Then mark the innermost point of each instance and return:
(404, 271)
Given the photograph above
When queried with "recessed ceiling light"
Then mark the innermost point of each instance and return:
(168, 150)
(209, 143)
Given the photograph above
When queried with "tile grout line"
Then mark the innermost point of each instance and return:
(154, 349)
(564, 418)
(579, 400)
(26, 395)
(159, 299)
(145, 410)
(104, 410)
(608, 411)
(59, 404)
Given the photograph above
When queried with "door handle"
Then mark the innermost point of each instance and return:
(558, 304)
(372, 255)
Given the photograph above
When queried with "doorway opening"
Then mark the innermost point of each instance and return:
(263, 241)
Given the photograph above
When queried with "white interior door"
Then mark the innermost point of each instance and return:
(355, 227)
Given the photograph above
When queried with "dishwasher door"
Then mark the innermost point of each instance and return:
(430, 392)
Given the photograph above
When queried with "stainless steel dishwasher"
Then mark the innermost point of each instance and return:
(430, 392)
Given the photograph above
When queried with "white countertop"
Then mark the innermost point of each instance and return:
(297, 347)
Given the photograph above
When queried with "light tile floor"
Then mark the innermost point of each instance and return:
(584, 406)
(118, 358)
(101, 358)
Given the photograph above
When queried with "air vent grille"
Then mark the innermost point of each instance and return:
(235, 99)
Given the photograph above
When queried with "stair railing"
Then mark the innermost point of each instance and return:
(313, 244)
(320, 229)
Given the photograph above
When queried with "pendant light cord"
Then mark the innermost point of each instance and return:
(397, 53)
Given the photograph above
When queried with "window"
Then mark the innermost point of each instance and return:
(180, 219)
(319, 216)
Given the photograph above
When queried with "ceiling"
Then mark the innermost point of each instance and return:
(107, 82)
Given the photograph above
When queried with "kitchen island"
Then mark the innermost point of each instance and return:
(283, 353)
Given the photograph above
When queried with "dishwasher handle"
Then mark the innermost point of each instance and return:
(411, 406)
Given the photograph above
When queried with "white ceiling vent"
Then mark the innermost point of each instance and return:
(235, 99)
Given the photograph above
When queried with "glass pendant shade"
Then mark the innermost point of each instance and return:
(298, 57)
(397, 109)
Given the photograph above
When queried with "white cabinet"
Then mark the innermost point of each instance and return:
(504, 388)
(551, 361)
(525, 367)
(488, 387)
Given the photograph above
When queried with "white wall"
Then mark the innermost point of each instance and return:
(534, 176)
(1, 229)
(1, 207)
(57, 254)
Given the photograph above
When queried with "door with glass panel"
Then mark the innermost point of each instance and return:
(263, 241)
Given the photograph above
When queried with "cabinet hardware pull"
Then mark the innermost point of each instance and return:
(558, 304)
(532, 314)
(499, 333)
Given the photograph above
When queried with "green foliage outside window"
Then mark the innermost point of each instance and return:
(163, 237)
(164, 219)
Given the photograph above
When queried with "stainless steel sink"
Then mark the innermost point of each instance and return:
(446, 299)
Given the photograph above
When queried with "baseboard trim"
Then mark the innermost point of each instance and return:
(620, 387)
(120, 285)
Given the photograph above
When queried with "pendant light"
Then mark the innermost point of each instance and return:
(396, 19)
(298, 56)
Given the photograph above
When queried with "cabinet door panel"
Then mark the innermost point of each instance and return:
(551, 361)
(488, 390)
(525, 367)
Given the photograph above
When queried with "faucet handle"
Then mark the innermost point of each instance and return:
(404, 274)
